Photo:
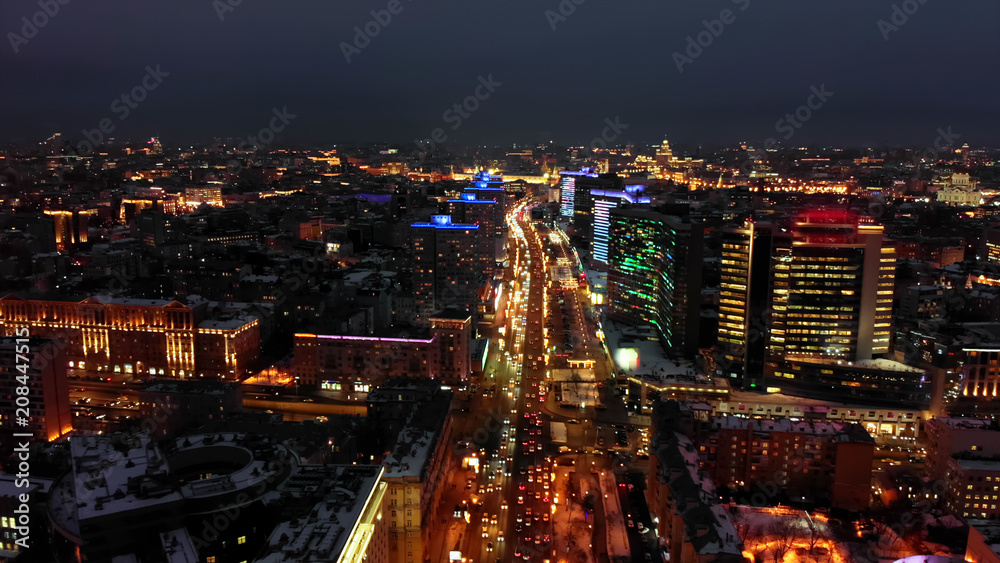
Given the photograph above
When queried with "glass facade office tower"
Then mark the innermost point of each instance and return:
(654, 274)
(818, 289)
(603, 202)
(567, 190)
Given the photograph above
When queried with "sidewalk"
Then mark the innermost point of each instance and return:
(616, 531)
(443, 516)
(571, 531)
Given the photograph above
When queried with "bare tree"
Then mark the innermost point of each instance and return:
(816, 538)
(751, 534)
(782, 534)
(886, 540)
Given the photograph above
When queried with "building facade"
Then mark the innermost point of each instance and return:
(354, 365)
(604, 201)
(483, 213)
(139, 337)
(819, 287)
(416, 470)
(446, 257)
(818, 459)
(654, 275)
(38, 366)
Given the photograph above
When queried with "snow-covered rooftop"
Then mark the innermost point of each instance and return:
(695, 494)
(177, 546)
(322, 535)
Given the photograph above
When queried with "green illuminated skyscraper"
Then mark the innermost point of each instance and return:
(649, 278)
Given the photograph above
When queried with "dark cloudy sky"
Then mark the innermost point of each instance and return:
(608, 59)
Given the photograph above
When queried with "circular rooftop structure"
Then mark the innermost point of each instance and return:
(196, 464)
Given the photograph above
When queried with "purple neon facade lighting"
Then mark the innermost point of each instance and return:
(367, 338)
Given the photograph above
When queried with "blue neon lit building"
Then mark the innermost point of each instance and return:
(604, 201)
(446, 266)
(567, 190)
(469, 210)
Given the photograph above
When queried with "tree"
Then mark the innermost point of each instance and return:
(886, 540)
(782, 534)
(751, 534)
(816, 538)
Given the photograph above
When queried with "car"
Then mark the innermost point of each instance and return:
(646, 556)
(520, 518)
(631, 524)
(545, 517)
(494, 519)
(486, 534)
(520, 499)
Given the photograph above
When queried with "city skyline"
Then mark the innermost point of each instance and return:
(878, 65)
(556, 281)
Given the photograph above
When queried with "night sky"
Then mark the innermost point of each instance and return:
(604, 60)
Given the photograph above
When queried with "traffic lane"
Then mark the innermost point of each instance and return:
(640, 544)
